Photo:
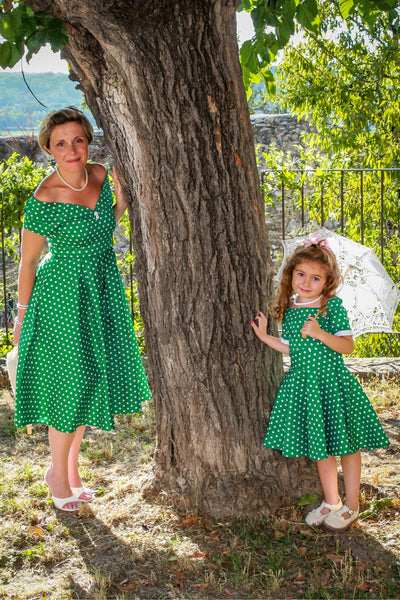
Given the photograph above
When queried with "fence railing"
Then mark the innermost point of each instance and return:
(304, 192)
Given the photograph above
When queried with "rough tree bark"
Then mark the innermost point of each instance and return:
(163, 80)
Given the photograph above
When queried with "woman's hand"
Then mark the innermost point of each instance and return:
(16, 333)
(260, 325)
(120, 202)
(311, 328)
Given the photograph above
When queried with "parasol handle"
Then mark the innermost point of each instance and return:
(303, 335)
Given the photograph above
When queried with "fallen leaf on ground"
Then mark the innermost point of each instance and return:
(36, 530)
(203, 586)
(334, 558)
(278, 534)
(307, 499)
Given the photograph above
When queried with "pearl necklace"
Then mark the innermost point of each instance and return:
(70, 186)
(306, 303)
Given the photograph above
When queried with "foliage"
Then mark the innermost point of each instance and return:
(275, 22)
(19, 177)
(5, 344)
(22, 29)
(345, 81)
(307, 185)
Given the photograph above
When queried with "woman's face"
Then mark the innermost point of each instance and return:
(68, 146)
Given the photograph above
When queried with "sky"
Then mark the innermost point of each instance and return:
(48, 61)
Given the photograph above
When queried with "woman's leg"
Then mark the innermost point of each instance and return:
(57, 474)
(351, 468)
(73, 459)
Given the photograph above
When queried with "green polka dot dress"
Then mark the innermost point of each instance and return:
(79, 361)
(320, 409)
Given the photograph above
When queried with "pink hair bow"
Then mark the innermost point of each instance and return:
(316, 240)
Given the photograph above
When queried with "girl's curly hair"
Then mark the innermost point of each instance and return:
(316, 253)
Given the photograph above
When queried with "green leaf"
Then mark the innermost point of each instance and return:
(283, 33)
(307, 15)
(307, 499)
(9, 54)
(58, 40)
(246, 5)
(346, 7)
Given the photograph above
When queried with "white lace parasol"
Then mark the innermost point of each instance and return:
(368, 293)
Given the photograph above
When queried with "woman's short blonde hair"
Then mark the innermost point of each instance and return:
(60, 117)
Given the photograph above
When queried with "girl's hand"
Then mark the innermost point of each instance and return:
(311, 328)
(260, 324)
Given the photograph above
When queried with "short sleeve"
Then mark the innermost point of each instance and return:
(338, 321)
(36, 218)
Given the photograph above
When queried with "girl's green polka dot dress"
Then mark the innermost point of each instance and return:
(79, 361)
(320, 409)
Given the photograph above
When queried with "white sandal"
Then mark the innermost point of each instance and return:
(317, 517)
(78, 491)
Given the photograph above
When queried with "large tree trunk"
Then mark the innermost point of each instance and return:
(163, 81)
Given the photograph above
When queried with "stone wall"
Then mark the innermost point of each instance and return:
(284, 131)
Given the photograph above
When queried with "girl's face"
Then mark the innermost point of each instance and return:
(308, 280)
(69, 146)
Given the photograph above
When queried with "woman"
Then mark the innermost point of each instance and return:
(79, 362)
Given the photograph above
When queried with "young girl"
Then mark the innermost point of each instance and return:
(321, 410)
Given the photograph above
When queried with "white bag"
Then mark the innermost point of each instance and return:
(11, 362)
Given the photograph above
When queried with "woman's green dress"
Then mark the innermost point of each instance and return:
(320, 409)
(79, 361)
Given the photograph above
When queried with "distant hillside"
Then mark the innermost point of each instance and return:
(20, 112)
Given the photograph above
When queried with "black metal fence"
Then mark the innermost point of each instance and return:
(305, 192)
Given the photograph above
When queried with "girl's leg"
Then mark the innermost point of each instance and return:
(327, 471)
(348, 514)
(73, 458)
(351, 467)
(57, 474)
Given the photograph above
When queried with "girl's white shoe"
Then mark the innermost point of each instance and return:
(317, 517)
(342, 519)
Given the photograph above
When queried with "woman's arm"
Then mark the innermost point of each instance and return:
(260, 327)
(31, 249)
(342, 344)
(120, 202)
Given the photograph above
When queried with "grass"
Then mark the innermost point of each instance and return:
(124, 547)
